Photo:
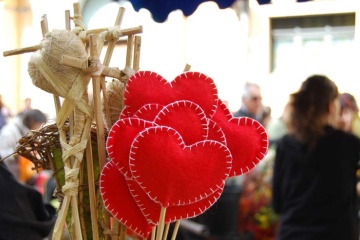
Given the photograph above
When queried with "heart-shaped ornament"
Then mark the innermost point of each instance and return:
(187, 118)
(120, 138)
(215, 132)
(151, 210)
(146, 87)
(172, 173)
(148, 111)
(119, 201)
(245, 137)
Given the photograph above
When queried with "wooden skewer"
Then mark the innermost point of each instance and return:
(22, 50)
(129, 50)
(166, 232)
(44, 25)
(67, 20)
(187, 67)
(137, 47)
(153, 233)
(160, 229)
(176, 228)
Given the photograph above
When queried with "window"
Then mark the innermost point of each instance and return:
(312, 43)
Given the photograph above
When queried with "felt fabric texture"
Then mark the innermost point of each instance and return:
(174, 145)
(172, 173)
(120, 138)
(187, 118)
(246, 138)
(153, 88)
(151, 209)
(148, 111)
(215, 132)
(23, 214)
(119, 201)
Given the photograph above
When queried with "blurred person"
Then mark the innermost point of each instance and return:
(350, 120)
(15, 130)
(278, 127)
(314, 181)
(27, 105)
(251, 105)
(266, 116)
(23, 214)
(4, 113)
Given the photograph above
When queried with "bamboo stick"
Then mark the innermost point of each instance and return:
(176, 228)
(96, 78)
(22, 50)
(166, 232)
(160, 229)
(67, 20)
(92, 195)
(44, 25)
(129, 51)
(137, 47)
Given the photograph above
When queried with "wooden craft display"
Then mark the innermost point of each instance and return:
(63, 64)
(147, 150)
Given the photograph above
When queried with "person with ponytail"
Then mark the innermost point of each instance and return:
(314, 181)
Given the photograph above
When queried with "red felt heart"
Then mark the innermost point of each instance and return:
(215, 132)
(187, 118)
(246, 138)
(119, 201)
(119, 140)
(148, 111)
(151, 209)
(153, 88)
(171, 172)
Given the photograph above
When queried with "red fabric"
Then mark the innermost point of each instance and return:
(187, 118)
(148, 111)
(172, 173)
(151, 209)
(245, 137)
(153, 88)
(120, 137)
(175, 144)
(120, 203)
(215, 132)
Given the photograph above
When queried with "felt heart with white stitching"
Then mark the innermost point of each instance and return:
(151, 209)
(120, 138)
(119, 201)
(172, 173)
(153, 88)
(187, 118)
(245, 137)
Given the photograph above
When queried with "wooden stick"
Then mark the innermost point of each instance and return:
(167, 226)
(67, 20)
(44, 25)
(111, 45)
(92, 195)
(176, 228)
(99, 118)
(160, 229)
(137, 47)
(153, 233)
(187, 67)
(129, 50)
(22, 50)
(122, 234)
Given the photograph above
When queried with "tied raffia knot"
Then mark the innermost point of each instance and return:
(76, 151)
(71, 182)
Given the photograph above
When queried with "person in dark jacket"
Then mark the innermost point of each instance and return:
(314, 181)
(23, 214)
